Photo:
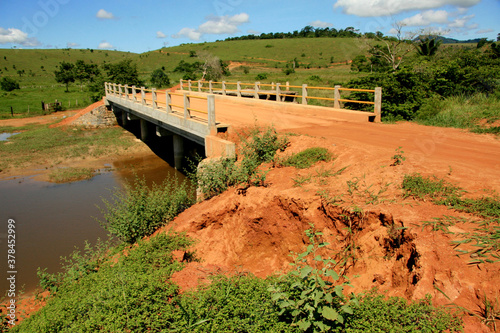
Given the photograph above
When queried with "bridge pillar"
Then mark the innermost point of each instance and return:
(178, 150)
(124, 119)
(144, 130)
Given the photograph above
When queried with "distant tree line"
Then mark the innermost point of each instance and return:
(306, 32)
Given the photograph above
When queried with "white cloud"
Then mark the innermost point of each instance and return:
(253, 32)
(426, 18)
(16, 36)
(216, 25)
(460, 22)
(160, 34)
(104, 15)
(72, 44)
(484, 31)
(321, 24)
(12, 35)
(192, 34)
(105, 45)
(385, 8)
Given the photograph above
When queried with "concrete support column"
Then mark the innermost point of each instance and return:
(124, 119)
(178, 150)
(144, 130)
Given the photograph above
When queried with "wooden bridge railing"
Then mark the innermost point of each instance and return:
(285, 92)
(179, 104)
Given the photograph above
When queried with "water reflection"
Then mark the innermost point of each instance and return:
(51, 219)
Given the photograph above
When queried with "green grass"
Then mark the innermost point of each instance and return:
(67, 175)
(307, 158)
(477, 113)
(50, 146)
(484, 239)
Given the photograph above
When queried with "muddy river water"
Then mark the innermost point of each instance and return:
(51, 219)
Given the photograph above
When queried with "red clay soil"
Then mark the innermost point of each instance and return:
(255, 229)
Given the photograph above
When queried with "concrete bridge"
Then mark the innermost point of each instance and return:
(199, 116)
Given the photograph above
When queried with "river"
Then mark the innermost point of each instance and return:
(51, 219)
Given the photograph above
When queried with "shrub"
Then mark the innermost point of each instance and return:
(261, 77)
(314, 301)
(8, 84)
(137, 211)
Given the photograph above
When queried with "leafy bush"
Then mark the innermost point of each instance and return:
(159, 78)
(313, 302)
(256, 147)
(127, 293)
(8, 84)
(137, 211)
(375, 313)
(240, 303)
(305, 159)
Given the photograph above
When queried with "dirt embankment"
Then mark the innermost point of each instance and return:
(362, 214)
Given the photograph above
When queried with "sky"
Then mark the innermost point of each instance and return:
(141, 26)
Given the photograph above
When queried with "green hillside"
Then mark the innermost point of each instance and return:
(323, 59)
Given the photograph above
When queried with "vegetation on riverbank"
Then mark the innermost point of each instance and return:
(40, 145)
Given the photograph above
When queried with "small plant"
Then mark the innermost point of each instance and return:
(261, 77)
(489, 313)
(419, 187)
(314, 302)
(301, 180)
(398, 158)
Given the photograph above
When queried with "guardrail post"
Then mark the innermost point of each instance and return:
(378, 104)
(199, 85)
(211, 113)
(143, 96)
(278, 91)
(210, 87)
(187, 105)
(106, 88)
(287, 85)
(120, 90)
(238, 89)
(153, 97)
(189, 85)
(125, 91)
(168, 101)
(224, 88)
(304, 94)
(336, 96)
(114, 89)
(256, 90)
(134, 97)
(182, 85)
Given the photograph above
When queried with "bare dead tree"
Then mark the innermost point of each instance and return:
(394, 49)
(211, 67)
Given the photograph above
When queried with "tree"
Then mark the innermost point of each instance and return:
(159, 78)
(66, 74)
(395, 48)
(211, 67)
(427, 46)
(123, 72)
(85, 72)
(8, 84)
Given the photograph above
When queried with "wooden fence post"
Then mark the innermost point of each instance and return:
(304, 94)
(336, 96)
(378, 104)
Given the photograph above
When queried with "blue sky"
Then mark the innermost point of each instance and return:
(140, 26)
